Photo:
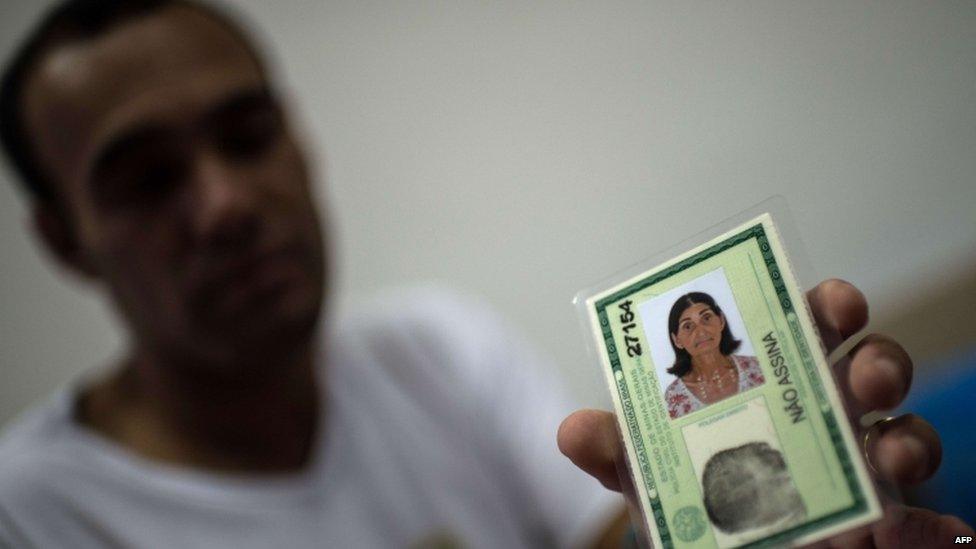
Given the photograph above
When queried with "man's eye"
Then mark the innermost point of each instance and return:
(142, 182)
(158, 179)
(250, 136)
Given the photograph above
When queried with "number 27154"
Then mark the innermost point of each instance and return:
(628, 324)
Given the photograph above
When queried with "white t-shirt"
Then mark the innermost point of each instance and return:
(439, 430)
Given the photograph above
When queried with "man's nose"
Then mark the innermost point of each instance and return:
(224, 209)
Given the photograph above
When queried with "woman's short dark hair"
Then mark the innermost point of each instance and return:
(682, 360)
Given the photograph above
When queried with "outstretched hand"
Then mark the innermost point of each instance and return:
(875, 375)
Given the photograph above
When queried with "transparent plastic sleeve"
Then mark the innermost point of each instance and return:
(734, 430)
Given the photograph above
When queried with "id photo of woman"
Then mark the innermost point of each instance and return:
(705, 363)
(701, 351)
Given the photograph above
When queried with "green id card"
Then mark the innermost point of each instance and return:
(734, 428)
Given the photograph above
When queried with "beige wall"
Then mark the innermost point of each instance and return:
(936, 321)
(523, 151)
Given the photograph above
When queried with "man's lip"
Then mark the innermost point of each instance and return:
(265, 278)
(214, 274)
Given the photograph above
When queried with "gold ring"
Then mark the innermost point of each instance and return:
(867, 438)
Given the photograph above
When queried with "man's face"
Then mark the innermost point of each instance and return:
(187, 192)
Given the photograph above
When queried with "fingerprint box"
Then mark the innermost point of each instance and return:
(734, 430)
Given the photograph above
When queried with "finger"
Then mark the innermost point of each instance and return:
(839, 309)
(880, 373)
(589, 439)
(910, 527)
(905, 450)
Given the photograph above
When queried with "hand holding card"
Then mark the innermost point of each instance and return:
(731, 422)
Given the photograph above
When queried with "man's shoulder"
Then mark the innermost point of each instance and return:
(421, 307)
(27, 444)
(37, 426)
(421, 321)
(423, 340)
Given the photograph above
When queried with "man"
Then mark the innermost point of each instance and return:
(163, 166)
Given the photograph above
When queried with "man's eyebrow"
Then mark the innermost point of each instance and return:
(125, 144)
(139, 137)
(241, 100)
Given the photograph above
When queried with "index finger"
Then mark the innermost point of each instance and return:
(839, 309)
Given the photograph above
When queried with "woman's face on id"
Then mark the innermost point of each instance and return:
(699, 330)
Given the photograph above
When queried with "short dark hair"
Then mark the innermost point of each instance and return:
(682, 360)
(67, 22)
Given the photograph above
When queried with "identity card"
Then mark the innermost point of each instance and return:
(733, 425)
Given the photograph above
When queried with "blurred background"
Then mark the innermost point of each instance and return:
(523, 151)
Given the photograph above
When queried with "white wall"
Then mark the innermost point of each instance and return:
(525, 150)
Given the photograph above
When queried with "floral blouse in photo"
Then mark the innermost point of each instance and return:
(681, 401)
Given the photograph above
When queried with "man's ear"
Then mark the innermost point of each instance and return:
(59, 238)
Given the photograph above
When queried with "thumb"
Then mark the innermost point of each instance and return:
(589, 439)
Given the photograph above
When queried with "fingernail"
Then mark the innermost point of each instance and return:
(919, 455)
(893, 372)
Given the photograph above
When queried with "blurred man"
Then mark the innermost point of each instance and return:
(162, 165)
